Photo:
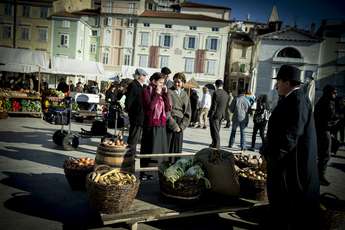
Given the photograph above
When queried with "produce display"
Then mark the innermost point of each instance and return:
(20, 93)
(54, 93)
(113, 177)
(248, 160)
(111, 143)
(31, 106)
(79, 163)
(251, 174)
(20, 101)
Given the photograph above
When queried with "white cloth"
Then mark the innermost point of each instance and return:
(205, 101)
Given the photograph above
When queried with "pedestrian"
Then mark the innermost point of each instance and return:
(134, 108)
(228, 113)
(240, 108)
(194, 99)
(340, 112)
(261, 116)
(180, 114)
(71, 86)
(217, 112)
(156, 106)
(204, 107)
(290, 151)
(94, 88)
(167, 81)
(62, 86)
(325, 121)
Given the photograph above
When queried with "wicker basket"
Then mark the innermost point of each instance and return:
(186, 188)
(253, 189)
(76, 177)
(3, 115)
(110, 199)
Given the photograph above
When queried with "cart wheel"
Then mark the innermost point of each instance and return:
(58, 137)
(70, 141)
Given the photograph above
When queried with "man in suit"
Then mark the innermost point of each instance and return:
(134, 107)
(291, 152)
(217, 112)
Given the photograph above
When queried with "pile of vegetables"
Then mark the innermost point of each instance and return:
(185, 168)
(110, 143)
(16, 106)
(252, 174)
(79, 163)
(113, 177)
(30, 106)
(248, 160)
(55, 93)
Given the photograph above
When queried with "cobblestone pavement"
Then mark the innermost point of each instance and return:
(35, 194)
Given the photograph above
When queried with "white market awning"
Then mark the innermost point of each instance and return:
(23, 60)
(70, 66)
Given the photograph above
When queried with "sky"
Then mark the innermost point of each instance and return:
(303, 12)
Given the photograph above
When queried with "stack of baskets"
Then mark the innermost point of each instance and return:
(111, 190)
(76, 171)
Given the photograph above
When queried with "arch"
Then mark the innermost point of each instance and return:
(289, 52)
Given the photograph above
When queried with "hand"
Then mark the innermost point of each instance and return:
(178, 130)
(159, 89)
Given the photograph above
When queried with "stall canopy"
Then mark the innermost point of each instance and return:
(23, 60)
(61, 65)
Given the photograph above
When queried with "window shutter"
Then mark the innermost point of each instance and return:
(196, 43)
(185, 42)
(161, 40)
(171, 41)
(216, 44)
(208, 44)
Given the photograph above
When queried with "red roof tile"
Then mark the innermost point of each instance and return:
(199, 5)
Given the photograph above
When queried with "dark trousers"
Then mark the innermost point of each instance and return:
(324, 150)
(134, 136)
(261, 128)
(214, 129)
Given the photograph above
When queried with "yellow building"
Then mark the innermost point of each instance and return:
(28, 27)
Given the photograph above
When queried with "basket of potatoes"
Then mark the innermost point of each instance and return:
(76, 170)
(111, 190)
(252, 183)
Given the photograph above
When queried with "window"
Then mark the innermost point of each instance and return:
(168, 26)
(93, 48)
(143, 60)
(164, 61)
(94, 32)
(26, 11)
(144, 39)
(44, 12)
(25, 33)
(215, 29)
(289, 52)
(131, 7)
(64, 40)
(6, 32)
(108, 21)
(43, 34)
(8, 9)
(190, 42)
(211, 67)
(244, 52)
(65, 24)
(341, 57)
(105, 58)
(146, 24)
(189, 65)
(165, 41)
(243, 68)
(150, 7)
(192, 27)
(212, 44)
(127, 60)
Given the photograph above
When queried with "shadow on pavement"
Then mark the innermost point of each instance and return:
(339, 166)
(39, 156)
(48, 196)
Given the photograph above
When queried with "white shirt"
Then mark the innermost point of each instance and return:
(205, 101)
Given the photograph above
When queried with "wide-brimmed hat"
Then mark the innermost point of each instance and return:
(289, 73)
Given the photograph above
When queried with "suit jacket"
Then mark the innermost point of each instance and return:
(181, 108)
(291, 154)
(219, 102)
(134, 103)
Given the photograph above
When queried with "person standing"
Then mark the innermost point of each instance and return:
(228, 112)
(168, 83)
(260, 119)
(325, 120)
(204, 106)
(180, 114)
(239, 107)
(194, 99)
(134, 108)
(290, 151)
(217, 112)
(62, 86)
(156, 106)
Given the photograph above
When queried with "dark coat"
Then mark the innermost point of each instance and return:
(291, 154)
(219, 102)
(325, 115)
(134, 103)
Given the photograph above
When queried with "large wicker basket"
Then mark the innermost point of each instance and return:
(113, 198)
(186, 188)
(253, 189)
(76, 177)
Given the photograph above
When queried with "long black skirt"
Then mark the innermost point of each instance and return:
(175, 139)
